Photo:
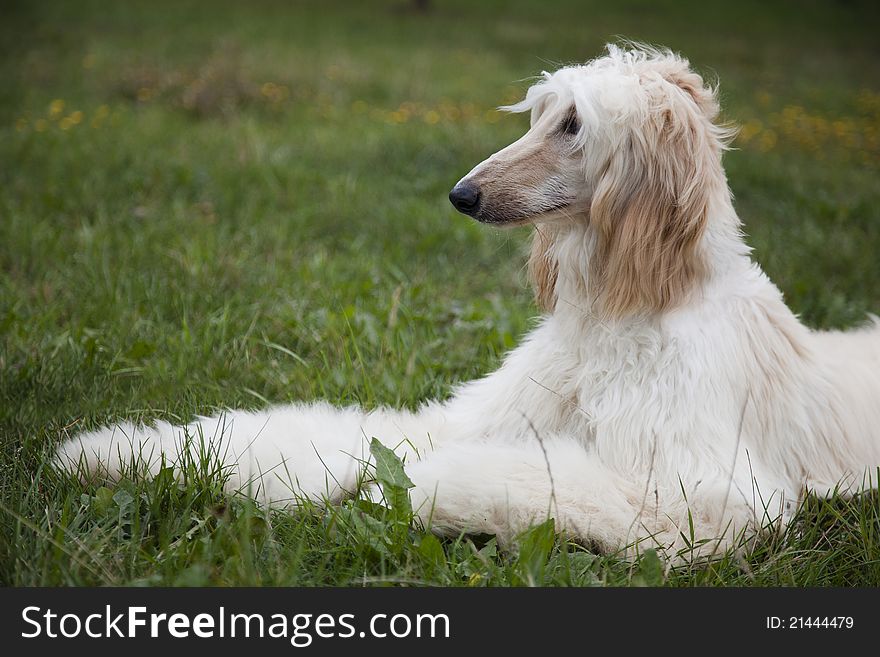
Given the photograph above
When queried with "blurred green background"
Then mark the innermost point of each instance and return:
(237, 203)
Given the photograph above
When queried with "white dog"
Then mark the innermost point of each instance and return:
(667, 394)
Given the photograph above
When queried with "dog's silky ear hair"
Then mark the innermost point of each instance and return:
(543, 269)
(650, 206)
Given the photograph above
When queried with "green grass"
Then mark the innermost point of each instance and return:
(245, 203)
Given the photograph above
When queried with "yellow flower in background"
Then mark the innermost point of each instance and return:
(749, 130)
(76, 117)
(432, 117)
(66, 123)
(767, 140)
(274, 92)
(100, 114)
(40, 125)
(56, 107)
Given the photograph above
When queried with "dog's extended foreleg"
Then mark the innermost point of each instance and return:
(277, 455)
(504, 489)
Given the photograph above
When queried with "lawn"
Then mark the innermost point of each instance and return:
(230, 204)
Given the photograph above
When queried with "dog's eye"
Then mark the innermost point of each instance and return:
(570, 125)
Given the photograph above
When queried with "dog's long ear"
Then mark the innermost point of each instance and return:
(543, 269)
(650, 209)
(692, 84)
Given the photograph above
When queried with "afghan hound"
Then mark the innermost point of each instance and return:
(667, 393)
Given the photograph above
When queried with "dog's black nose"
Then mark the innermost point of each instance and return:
(465, 197)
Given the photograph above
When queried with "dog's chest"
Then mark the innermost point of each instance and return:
(630, 386)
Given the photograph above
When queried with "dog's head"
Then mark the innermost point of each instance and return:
(625, 145)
